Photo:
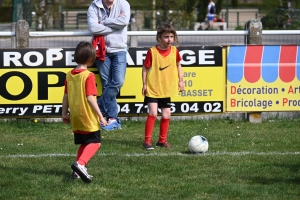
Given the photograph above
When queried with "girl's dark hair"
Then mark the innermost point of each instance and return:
(85, 53)
(166, 28)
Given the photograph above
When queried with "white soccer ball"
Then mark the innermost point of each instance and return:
(198, 144)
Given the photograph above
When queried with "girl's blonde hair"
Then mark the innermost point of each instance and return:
(166, 28)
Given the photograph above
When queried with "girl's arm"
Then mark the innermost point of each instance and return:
(144, 79)
(65, 106)
(180, 77)
(93, 103)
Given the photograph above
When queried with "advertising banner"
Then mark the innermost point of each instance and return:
(32, 82)
(263, 78)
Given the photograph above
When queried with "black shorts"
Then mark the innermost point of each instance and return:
(162, 102)
(93, 137)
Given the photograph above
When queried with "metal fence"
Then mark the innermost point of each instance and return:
(69, 39)
(77, 19)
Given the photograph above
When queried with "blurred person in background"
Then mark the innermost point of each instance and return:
(211, 8)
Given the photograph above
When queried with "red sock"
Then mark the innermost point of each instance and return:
(163, 130)
(80, 150)
(149, 127)
(88, 152)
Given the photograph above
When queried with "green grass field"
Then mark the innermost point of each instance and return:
(244, 161)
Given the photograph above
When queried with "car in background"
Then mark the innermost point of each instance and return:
(282, 19)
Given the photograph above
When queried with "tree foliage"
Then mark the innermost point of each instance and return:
(202, 10)
(219, 7)
(274, 4)
(234, 3)
(47, 13)
(280, 14)
(6, 2)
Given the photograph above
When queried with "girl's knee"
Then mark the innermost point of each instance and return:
(153, 114)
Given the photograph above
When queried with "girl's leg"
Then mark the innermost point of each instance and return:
(80, 150)
(88, 152)
(149, 125)
(164, 125)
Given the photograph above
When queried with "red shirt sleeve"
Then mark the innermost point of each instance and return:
(90, 85)
(148, 59)
(178, 56)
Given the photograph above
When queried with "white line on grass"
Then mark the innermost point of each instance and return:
(153, 154)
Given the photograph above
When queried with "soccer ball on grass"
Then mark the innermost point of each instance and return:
(198, 144)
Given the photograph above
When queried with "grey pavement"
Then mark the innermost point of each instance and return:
(5, 27)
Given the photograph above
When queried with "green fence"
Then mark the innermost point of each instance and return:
(22, 9)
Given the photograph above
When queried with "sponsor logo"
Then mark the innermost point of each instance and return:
(162, 68)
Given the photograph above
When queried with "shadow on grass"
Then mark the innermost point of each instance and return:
(267, 180)
(42, 172)
(292, 168)
(270, 181)
(187, 153)
(133, 143)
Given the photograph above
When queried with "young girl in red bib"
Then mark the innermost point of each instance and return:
(162, 79)
(85, 116)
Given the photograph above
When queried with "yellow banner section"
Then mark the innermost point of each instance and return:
(46, 86)
(32, 86)
(28, 91)
(198, 83)
(262, 96)
(263, 78)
